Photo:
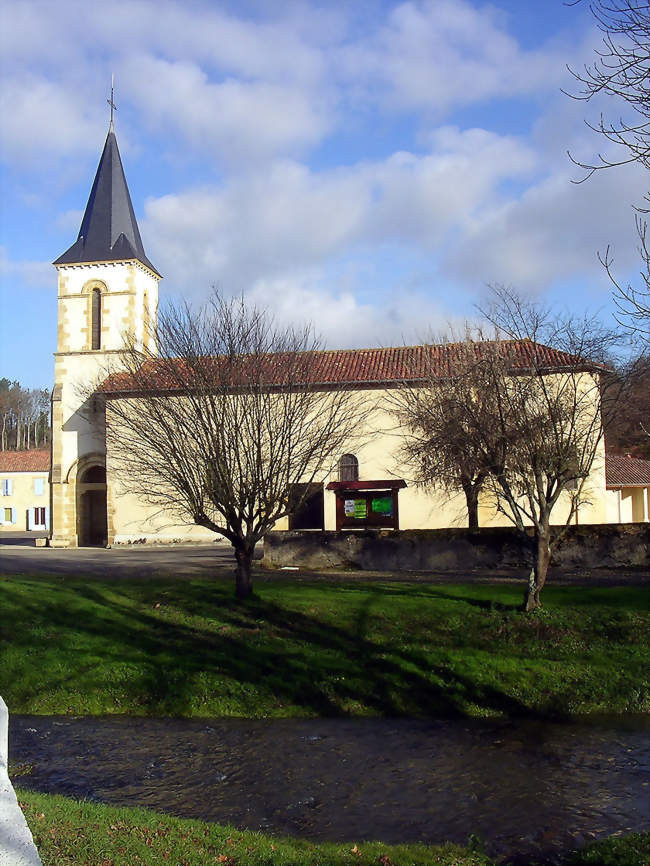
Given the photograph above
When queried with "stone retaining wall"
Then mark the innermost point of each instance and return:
(455, 550)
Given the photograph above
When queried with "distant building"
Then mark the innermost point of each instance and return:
(24, 491)
(628, 489)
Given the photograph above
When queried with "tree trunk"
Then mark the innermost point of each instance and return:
(243, 577)
(538, 572)
(471, 496)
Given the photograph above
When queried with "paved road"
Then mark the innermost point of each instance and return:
(19, 555)
(217, 560)
(120, 562)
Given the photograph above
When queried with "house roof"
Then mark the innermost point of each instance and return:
(25, 461)
(622, 470)
(109, 230)
(340, 367)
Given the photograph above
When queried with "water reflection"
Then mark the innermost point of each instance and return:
(525, 787)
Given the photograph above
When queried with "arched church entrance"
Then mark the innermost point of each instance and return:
(93, 521)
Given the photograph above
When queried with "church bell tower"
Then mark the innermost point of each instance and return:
(107, 288)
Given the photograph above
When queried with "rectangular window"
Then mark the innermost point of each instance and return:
(7, 486)
(39, 486)
(7, 515)
(39, 517)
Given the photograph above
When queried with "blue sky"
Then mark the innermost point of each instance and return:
(369, 167)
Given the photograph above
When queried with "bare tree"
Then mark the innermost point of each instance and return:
(42, 422)
(517, 416)
(7, 411)
(24, 416)
(628, 427)
(551, 414)
(633, 304)
(622, 71)
(445, 423)
(224, 419)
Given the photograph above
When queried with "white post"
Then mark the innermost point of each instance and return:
(4, 735)
(16, 844)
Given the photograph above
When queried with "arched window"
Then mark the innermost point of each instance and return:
(96, 327)
(348, 468)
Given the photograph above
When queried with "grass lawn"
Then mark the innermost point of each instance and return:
(186, 648)
(72, 833)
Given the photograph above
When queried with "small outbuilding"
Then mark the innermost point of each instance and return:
(627, 481)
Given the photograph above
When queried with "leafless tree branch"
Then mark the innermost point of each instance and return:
(222, 421)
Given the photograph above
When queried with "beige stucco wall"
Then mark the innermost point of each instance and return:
(377, 453)
(422, 509)
(23, 497)
(133, 521)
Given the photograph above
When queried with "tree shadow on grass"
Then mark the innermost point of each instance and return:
(430, 592)
(256, 658)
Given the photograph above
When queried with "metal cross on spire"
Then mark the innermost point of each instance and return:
(111, 103)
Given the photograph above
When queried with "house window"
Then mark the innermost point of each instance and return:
(38, 517)
(96, 312)
(8, 515)
(7, 487)
(39, 486)
(348, 468)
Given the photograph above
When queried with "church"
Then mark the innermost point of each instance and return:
(107, 286)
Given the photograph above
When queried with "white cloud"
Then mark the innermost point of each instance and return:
(40, 116)
(69, 221)
(239, 120)
(260, 226)
(220, 82)
(437, 54)
(29, 273)
(552, 232)
(341, 319)
(257, 95)
(248, 87)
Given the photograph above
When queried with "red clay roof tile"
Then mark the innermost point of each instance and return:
(348, 366)
(623, 471)
(25, 461)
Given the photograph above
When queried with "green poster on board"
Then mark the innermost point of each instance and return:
(382, 505)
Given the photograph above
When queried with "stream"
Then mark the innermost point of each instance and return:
(525, 787)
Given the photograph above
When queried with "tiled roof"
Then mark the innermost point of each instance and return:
(345, 366)
(623, 471)
(25, 461)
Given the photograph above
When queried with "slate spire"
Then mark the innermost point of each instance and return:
(109, 231)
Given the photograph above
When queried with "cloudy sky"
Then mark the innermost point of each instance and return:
(368, 166)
